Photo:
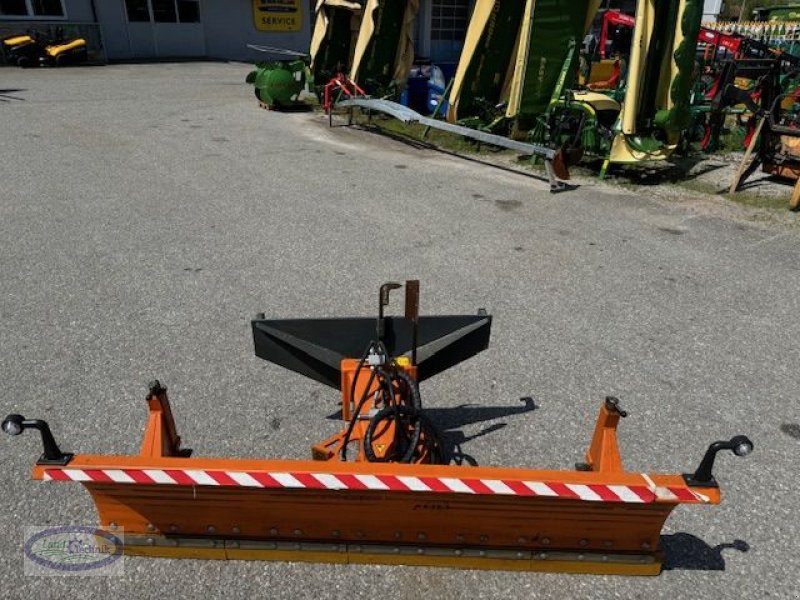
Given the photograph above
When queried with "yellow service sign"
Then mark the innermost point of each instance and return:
(278, 15)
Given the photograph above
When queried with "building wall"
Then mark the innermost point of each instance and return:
(225, 29)
(79, 10)
(229, 27)
(111, 15)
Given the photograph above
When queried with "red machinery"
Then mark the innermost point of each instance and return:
(732, 42)
(611, 18)
(345, 86)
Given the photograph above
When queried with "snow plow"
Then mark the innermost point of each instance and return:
(382, 490)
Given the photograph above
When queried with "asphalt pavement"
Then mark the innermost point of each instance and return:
(148, 212)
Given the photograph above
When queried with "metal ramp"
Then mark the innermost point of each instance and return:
(407, 115)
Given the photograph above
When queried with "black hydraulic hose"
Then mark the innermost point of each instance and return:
(407, 413)
(395, 412)
(354, 418)
(432, 440)
(357, 411)
(386, 384)
(413, 387)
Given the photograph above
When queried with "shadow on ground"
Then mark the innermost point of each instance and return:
(683, 551)
(423, 145)
(679, 169)
(6, 94)
(449, 421)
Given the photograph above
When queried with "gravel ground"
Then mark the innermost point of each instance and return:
(709, 177)
(147, 212)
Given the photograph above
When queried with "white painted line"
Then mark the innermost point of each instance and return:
(200, 477)
(119, 476)
(456, 485)
(372, 482)
(498, 487)
(244, 479)
(286, 480)
(413, 484)
(539, 488)
(158, 476)
(329, 481)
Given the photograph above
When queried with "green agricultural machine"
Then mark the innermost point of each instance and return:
(384, 51)
(278, 83)
(333, 41)
(518, 56)
(656, 109)
(518, 76)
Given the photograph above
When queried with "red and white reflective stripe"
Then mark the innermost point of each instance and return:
(329, 481)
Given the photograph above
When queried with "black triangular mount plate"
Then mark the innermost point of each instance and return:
(316, 347)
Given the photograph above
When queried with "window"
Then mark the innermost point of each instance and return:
(163, 11)
(47, 8)
(32, 8)
(14, 7)
(137, 11)
(449, 20)
(189, 11)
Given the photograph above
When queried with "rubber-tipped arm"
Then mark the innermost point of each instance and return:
(740, 445)
(16, 424)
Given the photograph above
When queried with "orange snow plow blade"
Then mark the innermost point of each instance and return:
(396, 500)
(599, 521)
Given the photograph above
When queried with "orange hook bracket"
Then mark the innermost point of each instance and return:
(161, 436)
(603, 455)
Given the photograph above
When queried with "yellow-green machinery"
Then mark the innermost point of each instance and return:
(517, 75)
(384, 51)
(655, 110)
(333, 42)
(518, 56)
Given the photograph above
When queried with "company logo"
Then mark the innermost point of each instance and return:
(278, 15)
(278, 6)
(72, 550)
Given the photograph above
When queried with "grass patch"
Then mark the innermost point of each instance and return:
(636, 178)
(433, 137)
(772, 202)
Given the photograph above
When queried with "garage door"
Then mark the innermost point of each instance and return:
(165, 28)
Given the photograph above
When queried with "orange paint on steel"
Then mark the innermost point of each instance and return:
(160, 434)
(331, 447)
(433, 517)
(603, 455)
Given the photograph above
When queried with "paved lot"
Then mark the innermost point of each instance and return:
(148, 212)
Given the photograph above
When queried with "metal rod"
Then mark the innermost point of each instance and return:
(412, 314)
(445, 94)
